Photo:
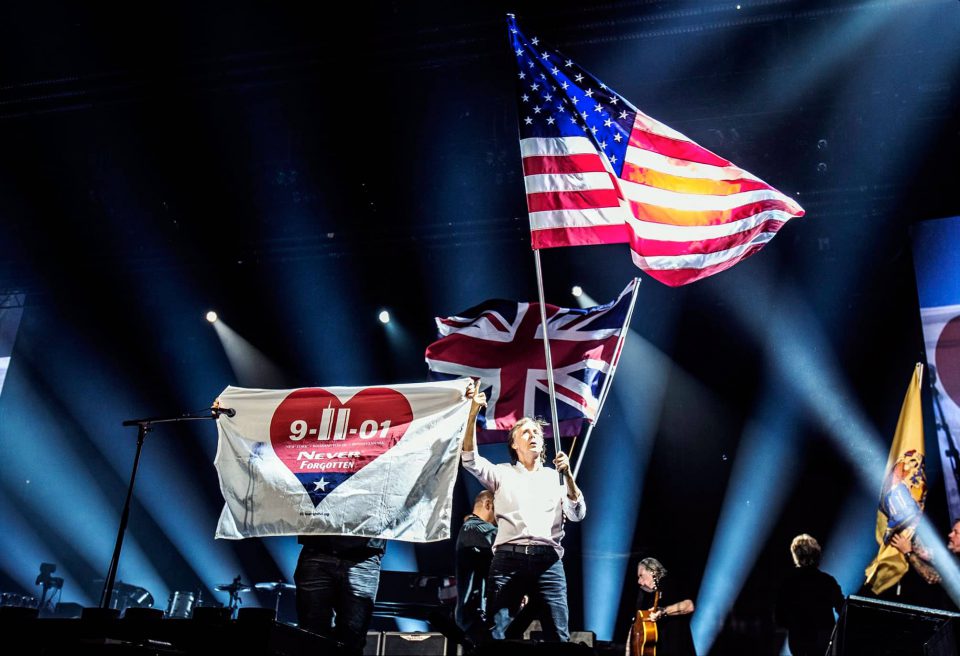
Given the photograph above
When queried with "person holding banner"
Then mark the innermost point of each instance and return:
(530, 504)
(337, 577)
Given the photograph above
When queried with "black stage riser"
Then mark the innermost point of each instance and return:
(880, 628)
(167, 637)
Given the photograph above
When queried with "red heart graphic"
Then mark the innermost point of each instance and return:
(323, 442)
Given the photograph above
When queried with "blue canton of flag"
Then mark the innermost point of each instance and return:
(557, 98)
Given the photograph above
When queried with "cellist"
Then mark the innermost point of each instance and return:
(671, 636)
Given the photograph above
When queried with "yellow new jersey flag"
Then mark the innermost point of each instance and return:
(904, 490)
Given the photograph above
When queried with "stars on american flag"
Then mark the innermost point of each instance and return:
(552, 89)
(700, 217)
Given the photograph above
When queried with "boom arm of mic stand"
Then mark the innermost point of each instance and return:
(144, 426)
(212, 413)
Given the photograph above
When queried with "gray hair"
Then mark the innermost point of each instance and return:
(805, 551)
(513, 431)
(655, 567)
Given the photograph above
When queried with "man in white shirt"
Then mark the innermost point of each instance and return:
(531, 503)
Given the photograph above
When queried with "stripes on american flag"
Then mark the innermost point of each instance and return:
(599, 171)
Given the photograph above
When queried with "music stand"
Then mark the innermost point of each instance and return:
(144, 427)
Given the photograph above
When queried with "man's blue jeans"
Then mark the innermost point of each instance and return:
(538, 574)
(335, 596)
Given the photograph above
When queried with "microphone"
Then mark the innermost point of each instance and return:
(230, 412)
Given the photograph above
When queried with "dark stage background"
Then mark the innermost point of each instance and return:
(298, 170)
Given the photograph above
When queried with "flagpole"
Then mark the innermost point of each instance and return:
(608, 381)
(543, 321)
(546, 350)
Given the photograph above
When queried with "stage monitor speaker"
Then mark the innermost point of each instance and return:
(401, 643)
(254, 615)
(211, 615)
(134, 614)
(372, 647)
(884, 628)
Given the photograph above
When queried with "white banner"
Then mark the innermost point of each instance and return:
(375, 462)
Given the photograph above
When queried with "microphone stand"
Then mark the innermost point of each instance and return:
(144, 427)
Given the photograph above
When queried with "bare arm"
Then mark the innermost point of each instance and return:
(684, 607)
(923, 567)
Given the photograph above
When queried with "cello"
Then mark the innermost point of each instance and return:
(643, 633)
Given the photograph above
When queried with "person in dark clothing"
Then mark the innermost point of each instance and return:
(673, 611)
(337, 579)
(807, 600)
(473, 556)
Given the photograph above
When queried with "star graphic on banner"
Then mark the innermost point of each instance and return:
(321, 486)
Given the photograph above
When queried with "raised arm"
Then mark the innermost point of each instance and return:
(473, 462)
(479, 400)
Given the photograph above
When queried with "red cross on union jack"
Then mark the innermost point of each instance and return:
(501, 342)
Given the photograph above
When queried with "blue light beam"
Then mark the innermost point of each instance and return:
(639, 391)
(251, 367)
(761, 478)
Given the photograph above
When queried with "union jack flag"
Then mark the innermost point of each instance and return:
(597, 170)
(501, 343)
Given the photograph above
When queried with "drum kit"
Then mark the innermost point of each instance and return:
(126, 596)
(233, 589)
(17, 600)
(181, 603)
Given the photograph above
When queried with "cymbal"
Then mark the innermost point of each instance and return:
(275, 585)
(233, 587)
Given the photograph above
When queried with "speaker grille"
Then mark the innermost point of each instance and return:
(396, 643)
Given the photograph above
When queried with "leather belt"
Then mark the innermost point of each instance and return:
(527, 549)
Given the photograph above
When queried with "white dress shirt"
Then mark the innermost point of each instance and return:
(530, 505)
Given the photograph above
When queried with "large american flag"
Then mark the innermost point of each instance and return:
(501, 342)
(600, 171)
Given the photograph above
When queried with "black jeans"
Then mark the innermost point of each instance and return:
(335, 596)
(539, 575)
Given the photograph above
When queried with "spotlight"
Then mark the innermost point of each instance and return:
(576, 291)
(211, 316)
(384, 316)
